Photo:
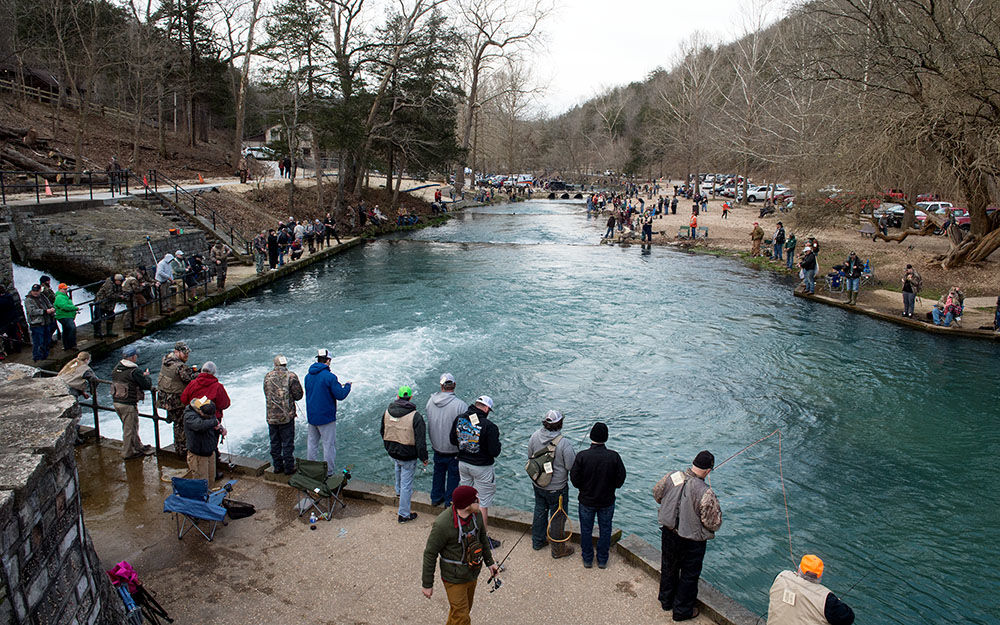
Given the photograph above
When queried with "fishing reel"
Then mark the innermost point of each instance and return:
(494, 581)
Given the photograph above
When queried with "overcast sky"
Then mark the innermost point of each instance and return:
(594, 44)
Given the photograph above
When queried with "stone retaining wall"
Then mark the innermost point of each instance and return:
(96, 252)
(6, 268)
(50, 573)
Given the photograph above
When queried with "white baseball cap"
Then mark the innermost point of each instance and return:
(553, 416)
(485, 400)
(323, 353)
(447, 378)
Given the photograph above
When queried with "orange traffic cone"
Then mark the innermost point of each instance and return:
(200, 179)
(48, 191)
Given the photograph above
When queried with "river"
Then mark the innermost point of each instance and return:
(889, 435)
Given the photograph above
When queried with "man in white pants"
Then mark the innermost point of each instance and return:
(323, 391)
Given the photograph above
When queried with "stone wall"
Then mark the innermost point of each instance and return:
(99, 242)
(6, 269)
(50, 573)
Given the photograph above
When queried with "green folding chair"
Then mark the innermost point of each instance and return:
(321, 493)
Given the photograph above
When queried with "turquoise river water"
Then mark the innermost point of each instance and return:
(889, 436)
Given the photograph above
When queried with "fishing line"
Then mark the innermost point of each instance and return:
(781, 476)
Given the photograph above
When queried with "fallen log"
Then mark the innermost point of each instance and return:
(926, 230)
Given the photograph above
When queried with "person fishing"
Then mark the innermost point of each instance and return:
(689, 516)
(458, 538)
(550, 458)
(798, 598)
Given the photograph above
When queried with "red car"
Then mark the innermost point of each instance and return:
(894, 195)
(960, 215)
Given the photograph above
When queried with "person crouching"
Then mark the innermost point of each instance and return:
(202, 431)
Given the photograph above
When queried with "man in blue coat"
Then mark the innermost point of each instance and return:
(323, 390)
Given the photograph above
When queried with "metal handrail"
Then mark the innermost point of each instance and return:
(14, 181)
(96, 407)
(152, 182)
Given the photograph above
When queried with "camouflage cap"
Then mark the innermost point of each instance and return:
(181, 346)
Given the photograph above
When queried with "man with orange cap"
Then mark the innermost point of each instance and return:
(799, 599)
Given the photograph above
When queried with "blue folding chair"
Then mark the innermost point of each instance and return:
(191, 502)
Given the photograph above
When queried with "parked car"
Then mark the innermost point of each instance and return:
(928, 197)
(961, 215)
(893, 194)
(934, 207)
(896, 212)
(261, 153)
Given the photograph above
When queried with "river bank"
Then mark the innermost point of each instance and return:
(731, 237)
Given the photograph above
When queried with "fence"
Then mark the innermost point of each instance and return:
(43, 95)
(13, 182)
(193, 203)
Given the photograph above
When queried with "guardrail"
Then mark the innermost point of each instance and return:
(13, 181)
(193, 202)
(54, 98)
(95, 407)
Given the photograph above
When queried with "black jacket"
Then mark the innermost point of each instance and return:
(399, 408)
(489, 439)
(779, 236)
(199, 430)
(853, 268)
(808, 261)
(597, 473)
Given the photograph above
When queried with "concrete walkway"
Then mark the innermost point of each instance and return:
(360, 568)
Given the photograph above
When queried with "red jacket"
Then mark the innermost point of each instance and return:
(207, 385)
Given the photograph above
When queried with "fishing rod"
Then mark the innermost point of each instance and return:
(494, 580)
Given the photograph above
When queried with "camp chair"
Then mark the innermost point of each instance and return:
(322, 492)
(868, 274)
(192, 502)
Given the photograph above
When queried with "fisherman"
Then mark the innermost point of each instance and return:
(442, 409)
(756, 236)
(404, 436)
(260, 251)
(127, 386)
(202, 430)
(694, 223)
(647, 229)
(134, 293)
(163, 280)
(597, 472)
(689, 516)
(39, 310)
(281, 390)
(808, 265)
(78, 375)
(478, 442)
(778, 240)
(66, 312)
(673, 204)
(107, 297)
(461, 559)
(790, 244)
(798, 598)
(853, 269)
(330, 226)
(174, 377)
(611, 227)
(323, 391)
(548, 446)
(219, 255)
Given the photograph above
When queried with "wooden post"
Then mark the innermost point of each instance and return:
(156, 419)
(97, 418)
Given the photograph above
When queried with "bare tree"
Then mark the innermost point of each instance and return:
(491, 29)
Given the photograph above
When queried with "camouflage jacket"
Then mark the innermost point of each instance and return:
(281, 389)
(219, 253)
(173, 379)
(110, 293)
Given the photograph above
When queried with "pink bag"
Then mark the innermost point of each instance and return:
(123, 573)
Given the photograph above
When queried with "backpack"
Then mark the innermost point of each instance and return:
(468, 435)
(539, 466)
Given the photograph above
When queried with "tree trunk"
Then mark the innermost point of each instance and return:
(244, 81)
(161, 135)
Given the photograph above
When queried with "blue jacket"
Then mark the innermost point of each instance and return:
(322, 392)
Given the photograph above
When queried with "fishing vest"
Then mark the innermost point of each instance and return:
(796, 601)
(74, 378)
(124, 390)
(679, 506)
(399, 429)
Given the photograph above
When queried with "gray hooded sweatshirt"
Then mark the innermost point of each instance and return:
(442, 408)
(563, 462)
